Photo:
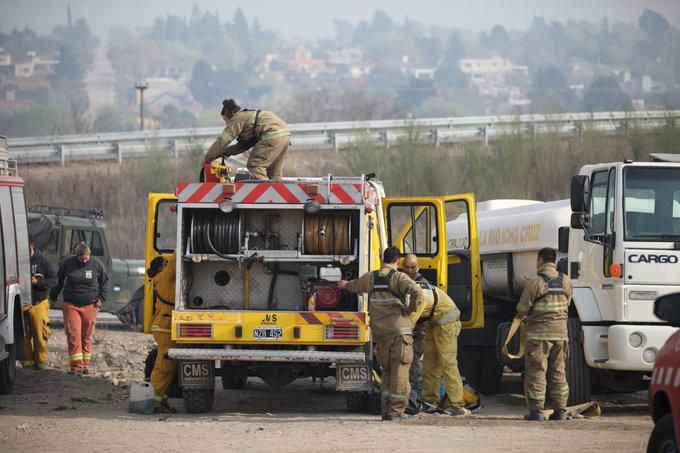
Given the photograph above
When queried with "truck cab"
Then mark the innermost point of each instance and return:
(57, 231)
(624, 252)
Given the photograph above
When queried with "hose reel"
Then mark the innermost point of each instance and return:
(326, 234)
(215, 232)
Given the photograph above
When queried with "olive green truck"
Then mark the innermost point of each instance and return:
(57, 231)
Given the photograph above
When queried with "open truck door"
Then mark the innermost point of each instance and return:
(161, 240)
(418, 225)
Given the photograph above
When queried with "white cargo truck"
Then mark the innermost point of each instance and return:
(618, 238)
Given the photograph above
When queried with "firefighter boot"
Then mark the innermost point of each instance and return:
(559, 415)
(534, 416)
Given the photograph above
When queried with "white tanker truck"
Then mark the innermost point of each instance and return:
(618, 238)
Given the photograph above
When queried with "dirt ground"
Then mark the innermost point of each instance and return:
(51, 411)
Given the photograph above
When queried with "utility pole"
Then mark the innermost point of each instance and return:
(141, 86)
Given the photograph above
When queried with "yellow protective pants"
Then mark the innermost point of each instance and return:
(440, 360)
(164, 368)
(35, 342)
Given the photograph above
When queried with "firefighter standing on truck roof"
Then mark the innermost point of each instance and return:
(43, 278)
(544, 308)
(391, 327)
(410, 266)
(162, 272)
(264, 132)
(441, 350)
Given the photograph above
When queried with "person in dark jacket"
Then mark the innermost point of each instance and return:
(85, 285)
(38, 333)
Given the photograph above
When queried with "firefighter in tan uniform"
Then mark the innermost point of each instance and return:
(411, 268)
(544, 307)
(162, 272)
(440, 357)
(391, 328)
(264, 132)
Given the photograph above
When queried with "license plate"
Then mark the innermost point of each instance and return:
(353, 377)
(197, 374)
(268, 333)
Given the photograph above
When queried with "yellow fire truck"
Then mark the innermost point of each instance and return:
(257, 267)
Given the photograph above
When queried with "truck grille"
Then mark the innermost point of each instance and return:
(341, 332)
(195, 331)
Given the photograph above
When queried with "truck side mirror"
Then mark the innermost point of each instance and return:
(668, 308)
(563, 239)
(580, 220)
(579, 192)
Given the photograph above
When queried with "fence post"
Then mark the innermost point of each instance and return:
(61, 148)
(175, 148)
(334, 141)
(435, 134)
(119, 152)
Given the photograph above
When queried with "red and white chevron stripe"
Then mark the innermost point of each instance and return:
(275, 192)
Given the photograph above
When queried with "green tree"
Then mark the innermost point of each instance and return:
(448, 75)
(550, 92)
(111, 118)
(605, 94)
(39, 120)
(498, 40)
(654, 24)
(241, 32)
(172, 117)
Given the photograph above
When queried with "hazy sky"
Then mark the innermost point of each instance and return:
(314, 18)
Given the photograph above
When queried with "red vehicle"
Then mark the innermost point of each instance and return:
(664, 390)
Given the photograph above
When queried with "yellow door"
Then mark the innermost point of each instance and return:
(161, 240)
(419, 225)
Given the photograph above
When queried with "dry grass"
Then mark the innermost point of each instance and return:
(515, 166)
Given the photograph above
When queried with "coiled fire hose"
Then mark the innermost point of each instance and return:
(326, 235)
(215, 232)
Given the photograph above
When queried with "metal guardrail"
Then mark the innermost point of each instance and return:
(331, 135)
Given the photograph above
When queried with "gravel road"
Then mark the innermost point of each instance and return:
(51, 411)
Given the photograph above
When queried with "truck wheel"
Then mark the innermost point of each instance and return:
(662, 439)
(480, 367)
(364, 402)
(175, 391)
(609, 381)
(198, 401)
(578, 372)
(356, 402)
(234, 382)
(8, 371)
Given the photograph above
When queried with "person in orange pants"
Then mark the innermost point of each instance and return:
(85, 284)
(38, 333)
(163, 273)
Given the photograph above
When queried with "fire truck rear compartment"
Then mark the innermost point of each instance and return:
(269, 259)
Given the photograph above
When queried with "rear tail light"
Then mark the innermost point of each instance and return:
(195, 331)
(341, 332)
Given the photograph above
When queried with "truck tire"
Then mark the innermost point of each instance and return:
(175, 391)
(198, 401)
(364, 402)
(609, 381)
(578, 372)
(8, 371)
(479, 365)
(234, 382)
(356, 402)
(662, 439)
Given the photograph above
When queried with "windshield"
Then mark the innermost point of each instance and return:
(652, 204)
